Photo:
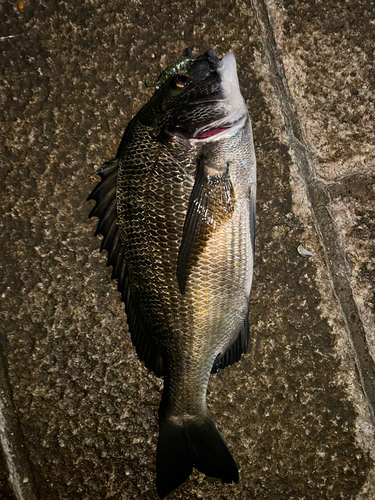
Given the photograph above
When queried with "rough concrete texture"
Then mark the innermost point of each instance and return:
(328, 55)
(293, 410)
(354, 212)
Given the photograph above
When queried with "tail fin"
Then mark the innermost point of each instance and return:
(191, 444)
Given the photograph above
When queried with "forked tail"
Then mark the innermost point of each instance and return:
(191, 444)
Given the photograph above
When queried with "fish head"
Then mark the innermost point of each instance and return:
(198, 104)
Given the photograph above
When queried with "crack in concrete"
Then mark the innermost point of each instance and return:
(320, 206)
(11, 442)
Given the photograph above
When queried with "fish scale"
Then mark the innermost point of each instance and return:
(177, 211)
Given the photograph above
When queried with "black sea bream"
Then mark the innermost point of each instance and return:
(177, 211)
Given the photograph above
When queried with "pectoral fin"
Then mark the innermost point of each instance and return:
(211, 203)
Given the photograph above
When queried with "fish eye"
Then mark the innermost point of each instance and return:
(181, 80)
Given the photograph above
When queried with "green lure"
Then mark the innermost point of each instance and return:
(181, 65)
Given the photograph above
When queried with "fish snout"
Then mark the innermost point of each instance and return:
(214, 62)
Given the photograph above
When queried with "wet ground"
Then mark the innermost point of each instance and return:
(78, 412)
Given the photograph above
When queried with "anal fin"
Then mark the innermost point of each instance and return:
(234, 352)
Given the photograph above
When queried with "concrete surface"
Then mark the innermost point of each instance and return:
(78, 411)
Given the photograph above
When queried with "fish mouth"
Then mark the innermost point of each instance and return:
(213, 60)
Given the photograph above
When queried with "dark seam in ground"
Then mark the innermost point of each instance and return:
(17, 460)
(320, 203)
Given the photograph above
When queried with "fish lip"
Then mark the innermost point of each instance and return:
(214, 62)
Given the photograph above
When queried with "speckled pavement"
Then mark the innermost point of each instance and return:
(78, 411)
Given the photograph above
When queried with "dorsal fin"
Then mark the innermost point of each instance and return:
(106, 209)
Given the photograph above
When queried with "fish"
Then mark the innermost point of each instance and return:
(177, 210)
